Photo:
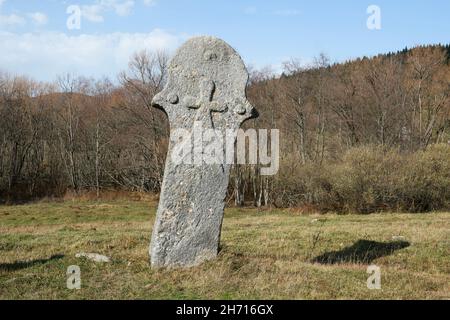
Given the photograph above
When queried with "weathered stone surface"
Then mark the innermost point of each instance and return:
(206, 83)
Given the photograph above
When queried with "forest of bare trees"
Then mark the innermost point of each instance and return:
(366, 135)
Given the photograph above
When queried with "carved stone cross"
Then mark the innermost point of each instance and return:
(206, 85)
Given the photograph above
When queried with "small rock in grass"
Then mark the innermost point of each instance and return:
(93, 256)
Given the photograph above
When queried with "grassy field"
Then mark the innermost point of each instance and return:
(269, 254)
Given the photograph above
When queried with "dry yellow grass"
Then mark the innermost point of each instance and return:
(268, 254)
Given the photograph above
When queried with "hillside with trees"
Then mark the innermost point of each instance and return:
(362, 136)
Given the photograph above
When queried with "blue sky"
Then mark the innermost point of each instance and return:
(35, 40)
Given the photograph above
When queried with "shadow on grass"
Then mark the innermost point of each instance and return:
(362, 251)
(18, 265)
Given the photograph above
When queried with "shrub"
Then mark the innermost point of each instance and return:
(370, 179)
(425, 181)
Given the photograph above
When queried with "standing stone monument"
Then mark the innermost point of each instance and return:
(206, 85)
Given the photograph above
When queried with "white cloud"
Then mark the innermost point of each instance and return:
(124, 9)
(95, 12)
(92, 13)
(47, 54)
(38, 18)
(11, 20)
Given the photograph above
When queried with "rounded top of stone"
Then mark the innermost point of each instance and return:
(206, 59)
(213, 43)
(208, 53)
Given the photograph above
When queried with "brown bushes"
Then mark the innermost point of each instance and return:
(370, 179)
